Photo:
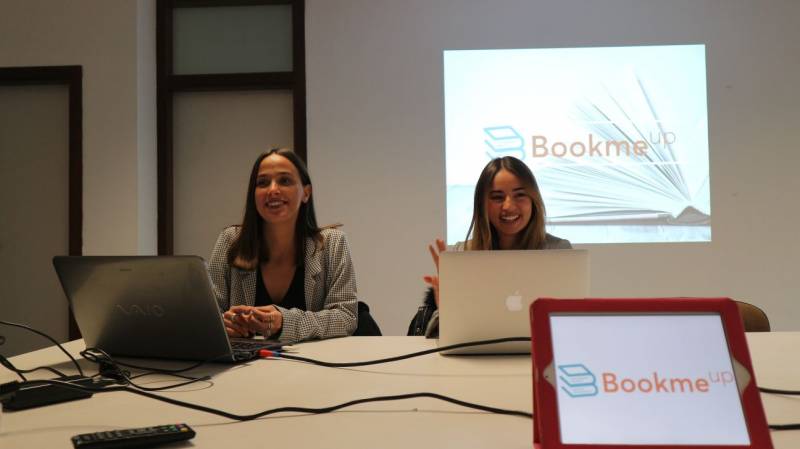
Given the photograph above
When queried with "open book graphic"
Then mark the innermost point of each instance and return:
(650, 187)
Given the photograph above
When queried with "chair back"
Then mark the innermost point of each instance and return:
(367, 326)
(755, 320)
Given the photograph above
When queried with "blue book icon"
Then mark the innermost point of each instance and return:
(577, 381)
(504, 141)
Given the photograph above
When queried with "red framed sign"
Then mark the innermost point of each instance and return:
(643, 373)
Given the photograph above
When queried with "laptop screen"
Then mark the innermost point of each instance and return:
(645, 379)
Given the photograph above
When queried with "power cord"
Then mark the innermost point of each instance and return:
(107, 366)
(111, 369)
(21, 372)
(96, 354)
(268, 353)
(790, 426)
(15, 385)
(23, 326)
(776, 391)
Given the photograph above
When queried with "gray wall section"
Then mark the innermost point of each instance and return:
(114, 42)
(34, 176)
(217, 137)
(119, 164)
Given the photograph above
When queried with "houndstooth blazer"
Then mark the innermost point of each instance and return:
(330, 287)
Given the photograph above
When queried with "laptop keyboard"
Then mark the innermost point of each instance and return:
(247, 348)
(249, 344)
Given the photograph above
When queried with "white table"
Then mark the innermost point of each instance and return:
(499, 381)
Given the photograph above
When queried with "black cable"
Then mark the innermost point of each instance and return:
(273, 411)
(110, 368)
(235, 417)
(91, 354)
(309, 410)
(776, 391)
(23, 326)
(192, 380)
(7, 363)
(88, 354)
(779, 427)
(792, 426)
(99, 356)
(136, 376)
(47, 368)
(284, 355)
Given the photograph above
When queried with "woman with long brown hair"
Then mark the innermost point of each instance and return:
(277, 273)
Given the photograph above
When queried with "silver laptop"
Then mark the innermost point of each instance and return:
(149, 306)
(485, 295)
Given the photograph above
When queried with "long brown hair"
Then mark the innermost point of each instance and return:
(481, 234)
(250, 248)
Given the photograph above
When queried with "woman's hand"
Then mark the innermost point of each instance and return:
(266, 320)
(435, 251)
(244, 321)
(234, 324)
(433, 280)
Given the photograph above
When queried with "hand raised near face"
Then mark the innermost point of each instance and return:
(433, 280)
(435, 251)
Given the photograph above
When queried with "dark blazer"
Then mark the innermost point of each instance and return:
(330, 287)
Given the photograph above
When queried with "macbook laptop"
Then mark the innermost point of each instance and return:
(485, 295)
(150, 306)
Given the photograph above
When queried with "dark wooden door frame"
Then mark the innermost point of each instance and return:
(167, 84)
(72, 77)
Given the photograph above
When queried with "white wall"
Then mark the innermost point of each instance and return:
(375, 121)
(119, 164)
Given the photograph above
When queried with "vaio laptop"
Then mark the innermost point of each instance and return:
(643, 373)
(150, 306)
(485, 295)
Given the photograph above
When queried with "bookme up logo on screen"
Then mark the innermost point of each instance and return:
(577, 381)
(506, 141)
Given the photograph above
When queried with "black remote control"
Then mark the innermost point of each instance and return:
(130, 438)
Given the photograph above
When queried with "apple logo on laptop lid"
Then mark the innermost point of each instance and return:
(514, 302)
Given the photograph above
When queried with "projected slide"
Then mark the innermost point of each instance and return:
(617, 137)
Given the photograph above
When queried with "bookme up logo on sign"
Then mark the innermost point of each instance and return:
(577, 381)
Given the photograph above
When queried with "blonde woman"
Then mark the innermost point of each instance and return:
(508, 213)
